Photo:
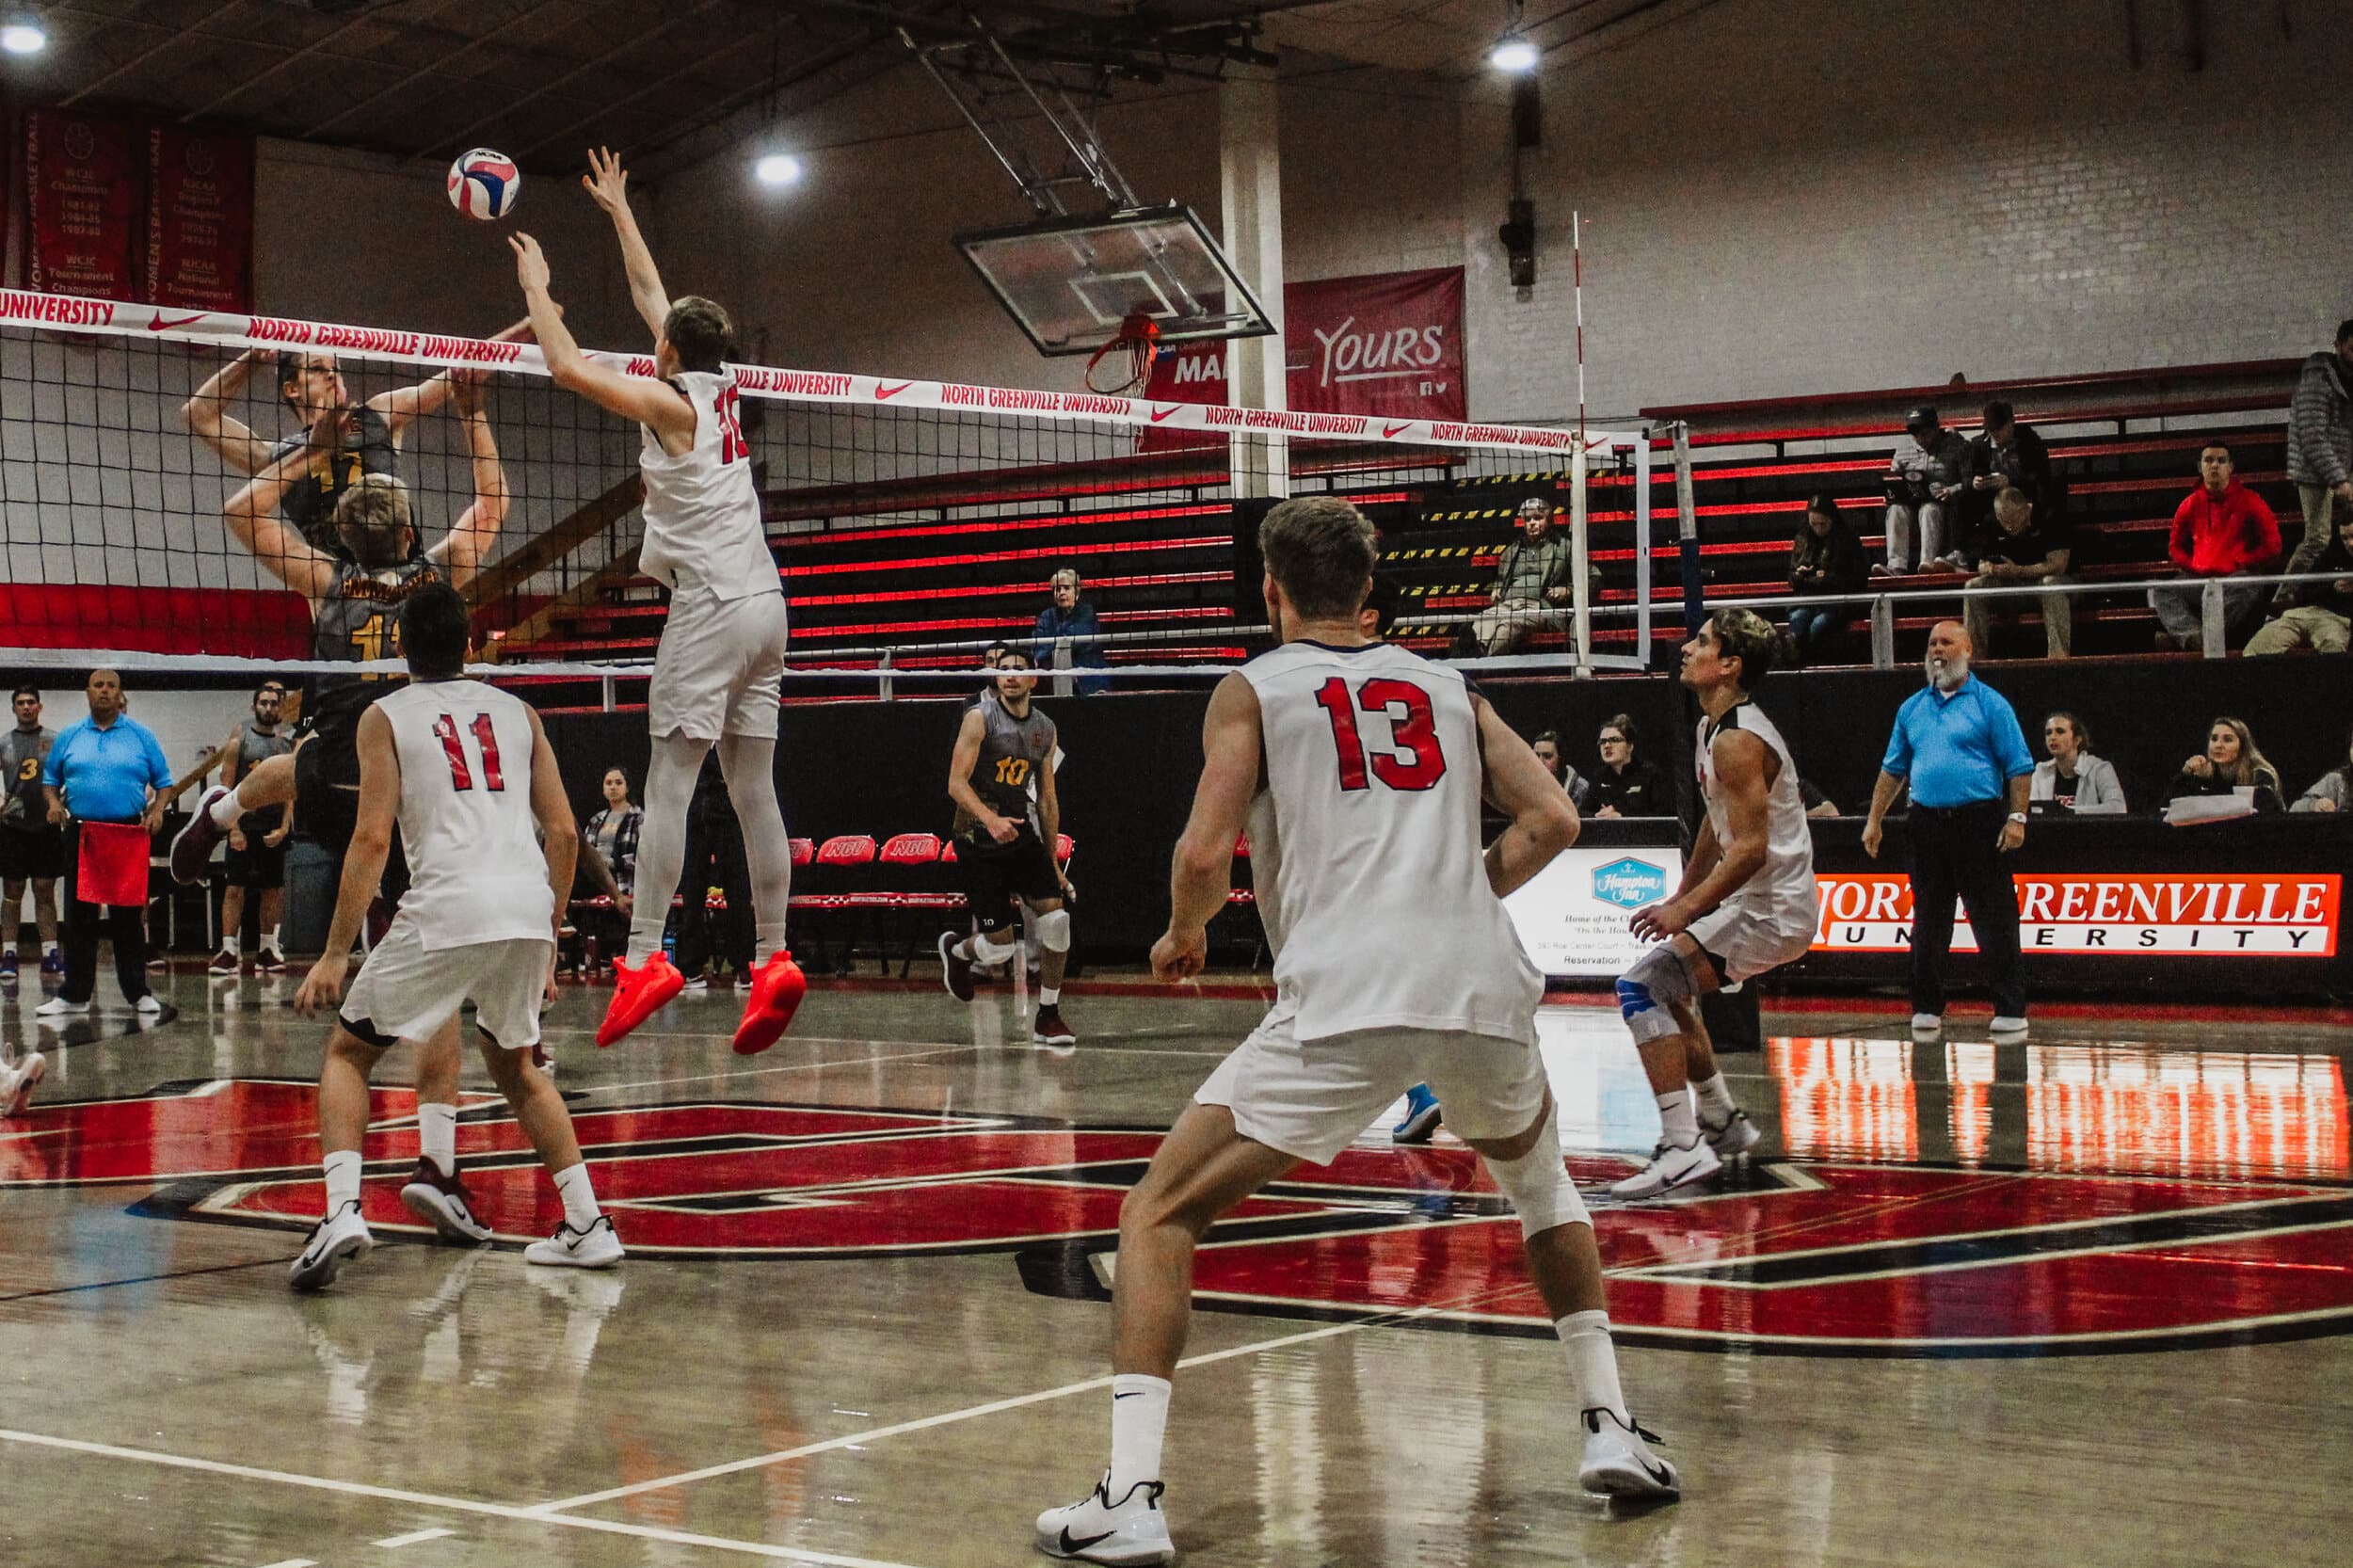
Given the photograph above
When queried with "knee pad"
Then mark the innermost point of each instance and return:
(1648, 991)
(986, 950)
(1538, 1184)
(1054, 930)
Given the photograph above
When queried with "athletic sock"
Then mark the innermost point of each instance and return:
(233, 945)
(580, 1198)
(9, 948)
(1048, 995)
(1592, 1363)
(437, 1136)
(226, 812)
(342, 1178)
(1715, 1098)
(1138, 1419)
(269, 940)
(1679, 1121)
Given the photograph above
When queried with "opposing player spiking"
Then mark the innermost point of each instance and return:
(1747, 903)
(1358, 769)
(718, 672)
(466, 772)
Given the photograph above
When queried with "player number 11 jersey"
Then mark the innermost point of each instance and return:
(476, 872)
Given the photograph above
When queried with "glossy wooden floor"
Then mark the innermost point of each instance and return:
(2080, 1301)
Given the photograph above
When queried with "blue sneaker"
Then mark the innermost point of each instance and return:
(7, 964)
(1421, 1116)
(53, 962)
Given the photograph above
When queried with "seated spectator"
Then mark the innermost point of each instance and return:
(1531, 590)
(2007, 455)
(2320, 448)
(2331, 791)
(1069, 615)
(1547, 749)
(1826, 558)
(2229, 763)
(2221, 529)
(1626, 786)
(612, 834)
(2074, 780)
(1927, 481)
(2024, 549)
(2319, 615)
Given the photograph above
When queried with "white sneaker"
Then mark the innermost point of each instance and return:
(149, 1005)
(596, 1247)
(2008, 1025)
(56, 1005)
(1927, 1025)
(1618, 1461)
(1732, 1137)
(1096, 1529)
(17, 1083)
(1671, 1166)
(341, 1237)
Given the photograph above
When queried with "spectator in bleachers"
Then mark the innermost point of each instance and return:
(2332, 790)
(2221, 529)
(1547, 749)
(612, 834)
(2074, 780)
(1927, 481)
(1069, 615)
(2024, 549)
(1627, 786)
(2318, 615)
(1826, 558)
(2007, 456)
(2320, 447)
(2231, 761)
(1531, 590)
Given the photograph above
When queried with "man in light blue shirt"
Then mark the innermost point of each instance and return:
(1958, 743)
(108, 768)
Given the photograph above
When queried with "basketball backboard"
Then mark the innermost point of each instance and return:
(1072, 281)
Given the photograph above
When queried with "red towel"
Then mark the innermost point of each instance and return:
(113, 864)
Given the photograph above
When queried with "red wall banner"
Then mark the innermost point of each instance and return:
(82, 193)
(2190, 914)
(1387, 345)
(199, 220)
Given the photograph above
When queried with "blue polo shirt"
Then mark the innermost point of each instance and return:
(105, 773)
(1959, 748)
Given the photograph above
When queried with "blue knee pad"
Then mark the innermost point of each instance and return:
(1648, 991)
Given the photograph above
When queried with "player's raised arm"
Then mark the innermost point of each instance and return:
(252, 515)
(1201, 875)
(559, 835)
(474, 535)
(229, 437)
(364, 862)
(404, 405)
(1543, 818)
(650, 403)
(608, 186)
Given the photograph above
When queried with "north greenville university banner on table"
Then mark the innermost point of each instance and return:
(2187, 914)
(1571, 916)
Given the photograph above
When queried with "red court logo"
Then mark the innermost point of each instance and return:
(1810, 1257)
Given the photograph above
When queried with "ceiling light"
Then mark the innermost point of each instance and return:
(778, 169)
(1514, 54)
(23, 35)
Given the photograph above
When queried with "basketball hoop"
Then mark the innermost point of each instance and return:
(1139, 336)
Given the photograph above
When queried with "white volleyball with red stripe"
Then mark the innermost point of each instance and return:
(483, 184)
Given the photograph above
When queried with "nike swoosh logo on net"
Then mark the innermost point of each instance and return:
(883, 395)
(1389, 430)
(1158, 414)
(159, 324)
(1082, 1543)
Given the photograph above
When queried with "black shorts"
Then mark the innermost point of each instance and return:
(327, 800)
(995, 874)
(32, 856)
(257, 868)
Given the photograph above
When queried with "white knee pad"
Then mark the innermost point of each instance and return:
(1054, 930)
(1647, 993)
(987, 952)
(1538, 1184)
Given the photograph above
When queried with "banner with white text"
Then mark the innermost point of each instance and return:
(2190, 915)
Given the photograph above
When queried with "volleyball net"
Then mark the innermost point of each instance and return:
(914, 522)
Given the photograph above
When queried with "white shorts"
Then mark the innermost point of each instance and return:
(719, 667)
(1748, 944)
(1312, 1100)
(404, 992)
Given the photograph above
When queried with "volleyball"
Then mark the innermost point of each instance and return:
(483, 184)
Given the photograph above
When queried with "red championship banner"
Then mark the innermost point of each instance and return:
(1387, 345)
(199, 219)
(2119, 913)
(82, 194)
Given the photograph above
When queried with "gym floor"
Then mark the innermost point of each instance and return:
(2081, 1300)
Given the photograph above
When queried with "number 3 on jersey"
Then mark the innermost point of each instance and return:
(1416, 763)
(454, 748)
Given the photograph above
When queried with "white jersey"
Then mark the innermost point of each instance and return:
(1782, 892)
(475, 870)
(702, 510)
(1365, 845)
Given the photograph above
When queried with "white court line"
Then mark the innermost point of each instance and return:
(556, 1509)
(454, 1505)
(412, 1537)
(761, 1072)
(297, 1562)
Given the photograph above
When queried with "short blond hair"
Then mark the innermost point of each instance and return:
(375, 511)
(1068, 574)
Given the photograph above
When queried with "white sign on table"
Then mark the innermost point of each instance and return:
(1571, 916)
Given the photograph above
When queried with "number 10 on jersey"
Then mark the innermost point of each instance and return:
(1416, 763)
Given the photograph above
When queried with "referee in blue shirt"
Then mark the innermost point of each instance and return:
(1959, 744)
(109, 768)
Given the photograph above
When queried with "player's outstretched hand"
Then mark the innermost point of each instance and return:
(324, 985)
(1179, 955)
(531, 265)
(1658, 921)
(606, 183)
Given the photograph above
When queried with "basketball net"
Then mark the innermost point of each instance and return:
(1140, 337)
